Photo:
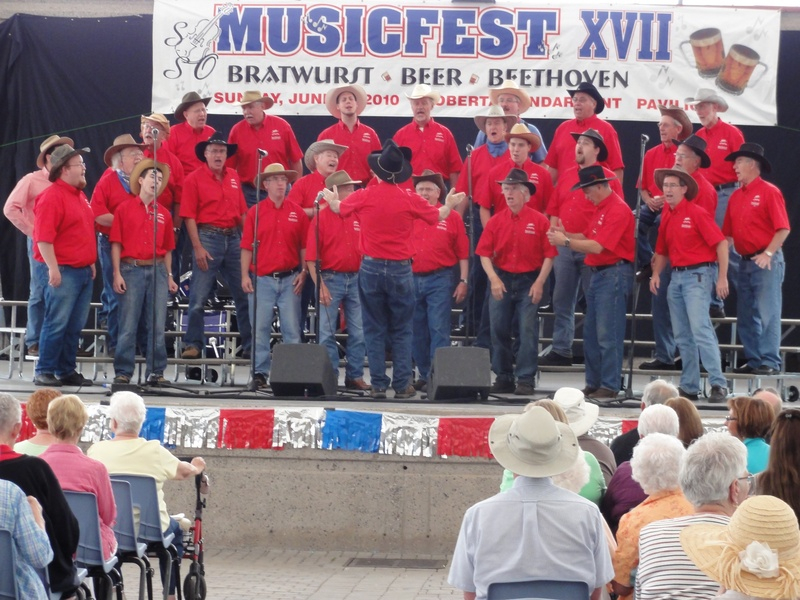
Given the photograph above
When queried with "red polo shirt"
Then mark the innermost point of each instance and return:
(688, 235)
(482, 163)
(173, 193)
(387, 214)
(561, 155)
(517, 243)
(108, 196)
(706, 194)
(339, 242)
(537, 175)
(133, 228)
(273, 135)
(660, 157)
(439, 245)
(210, 201)
(755, 213)
(63, 217)
(611, 226)
(360, 142)
(722, 139)
(182, 141)
(304, 191)
(572, 206)
(281, 235)
(432, 147)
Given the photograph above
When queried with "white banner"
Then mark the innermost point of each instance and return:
(637, 56)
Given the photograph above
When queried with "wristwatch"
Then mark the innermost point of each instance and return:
(566, 242)
(768, 253)
(464, 281)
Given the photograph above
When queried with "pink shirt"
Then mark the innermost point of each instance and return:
(19, 205)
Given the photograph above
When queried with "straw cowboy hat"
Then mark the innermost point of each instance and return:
(159, 119)
(588, 88)
(272, 170)
(60, 156)
(188, 99)
(698, 146)
(255, 96)
(598, 140)
(332, 98)
(141, 167)
(495, 112)
(581, 415)
(591, 176)
(339, 178)
(520, 130)
(433, 177)
(685, 178)
(754, 151)
(319, 147)
(200, 149)
(533, 444)
(512, 89)
(681, 117)
(423, 90)
(53, 140)
(521, 177)
(121, 141)
(392, 163)
(707, 95)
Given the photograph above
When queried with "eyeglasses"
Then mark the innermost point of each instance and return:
(672, 185)
(751, 483)
(730, 418)
(81, 164)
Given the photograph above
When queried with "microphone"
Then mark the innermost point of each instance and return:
(155, 133)
(469, 149)
(262, 153)
(318, 198)
(645, 138)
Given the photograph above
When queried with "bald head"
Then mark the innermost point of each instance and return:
(770, 398)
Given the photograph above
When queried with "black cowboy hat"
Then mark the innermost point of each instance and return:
(200, 148)
(588, 88)
(591, 176)
(188, 99)
(698, 146)
(597, 138)
(520, 177)
(392, 164)
(754, 151)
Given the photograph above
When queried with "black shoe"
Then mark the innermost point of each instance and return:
(83, 353)
(246, 355)
(76, 378)
(546, 308)
(524, 389)
(260, 381)
(765, 370)
(554, 359)
(716, 312)
(644, 273)
(745, 369)
(687, 395)
(589, 389)
(718, 394)
(656, 365)
(502, 387)
(47, 379)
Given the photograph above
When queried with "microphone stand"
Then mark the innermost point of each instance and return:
(471, 222)
(318, 271)
(153, 379)
(253, 386)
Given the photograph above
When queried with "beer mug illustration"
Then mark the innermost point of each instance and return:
(708, 51)
(738, 68)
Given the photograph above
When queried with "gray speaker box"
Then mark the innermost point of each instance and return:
(460, 373)
(302, 370)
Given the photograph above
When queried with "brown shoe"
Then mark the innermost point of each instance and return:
(357, 384)
(84, 353)
(603, 394)
(33, 350)
(409, 392)
(588, 390)
(190, 353)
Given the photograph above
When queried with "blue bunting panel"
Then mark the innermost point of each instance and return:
(346, 430)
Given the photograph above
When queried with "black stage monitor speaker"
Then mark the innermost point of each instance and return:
(302, 370)
(460, 373)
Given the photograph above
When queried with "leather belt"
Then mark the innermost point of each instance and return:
(405, 261)
(434, 272)
(752, 256)
(281, 274)
(697, 266)
(725, 186)
(137, 262)
(215, 229)
(599, 268)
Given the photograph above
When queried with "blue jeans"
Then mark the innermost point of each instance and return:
(386, 289)
(604, 328)
(108, 297)
(434, 294)
(253, 196)
(274, 292)
(662, 323)
(136, 305)
(571, 275)
(759, 311)
(343, 288)
(689, 296)
(515, 301)
(225, 251)
(36, 303)
(734, 259)
(65, 314)
(647, 220)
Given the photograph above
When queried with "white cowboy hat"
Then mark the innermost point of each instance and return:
(512, 88)
(423, 90)
(708, 95)
(332, 97)
(317, 148)
(495, 112)
(580, 414)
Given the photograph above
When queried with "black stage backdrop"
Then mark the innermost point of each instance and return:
(91, 79)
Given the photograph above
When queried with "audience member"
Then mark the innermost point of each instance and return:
(657, 391)
(749, 420)
(772, 397)
(781, 478)
(36, 409)
(690, 425)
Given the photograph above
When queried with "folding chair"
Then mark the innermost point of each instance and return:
(129, 550)
(544, 589)
(8, 567)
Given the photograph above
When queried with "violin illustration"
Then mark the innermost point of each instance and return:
(193, 46)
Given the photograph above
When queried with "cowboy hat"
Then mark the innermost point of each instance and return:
(495, 112)
(588, 88)
(433, 177)
(591, 176)
(512, 89)
(581, 415)
(707, 95)
(533, 444)
(681, 117)
(598, 140)
(121, 141)
(757, 553)
(141, 167)
(60, 156)
(332, 99)
(188, 99)
(754, 151)
(520, 130)
(272, 170)
(392, 163)
(319, 147)
(698, 146)
(255, 96)
(423, 90)
(53, 140)
(160, 119)
(339, 178)
(686, 179)
(518, 176)
(200, 148)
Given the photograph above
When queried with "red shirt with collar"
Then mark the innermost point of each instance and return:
(281, 235)
(722, 139)
(215, 202)
(688, 235)
(660, 157)
(439, 245)
(561, 155)
(537, 175)
(108, 195)
(173, 193)
(517, 243)
(63, 217)
(432, 147)
(182, 141)
(482, 163)
(305, 190)
(274, 135)
(360, 142)
(387, 213)
(339, 242)
(133, 229)
(756, 211)
(706, 194)
(611, 226)
(572, 206)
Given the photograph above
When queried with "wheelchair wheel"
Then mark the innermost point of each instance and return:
(194, 587)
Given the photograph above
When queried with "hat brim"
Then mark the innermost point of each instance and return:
(722, 104)
(435, 96)
(436, 179)
(290, 175)
(200, 149)
(528, 184)
(268, 102)
(332, 99)
(341, 183)
(178, 114)
(601, 104)
(691, 184)
(498, 444)
(383, 175)
(55, 168)
(705, 161)
(590, 414)
(603, 154)
(524, 99)
(480, 121)
(579, 185)
(317, 148)
(142, 166)
(679, 115)
(109, 154)
(40, 160)
(534, 140)
(765, 166)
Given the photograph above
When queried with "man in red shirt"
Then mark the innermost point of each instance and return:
(322, 159)
(260, 131)
(339, 260)
(213, 209)
(517, 258)
(386, 214)
(346, 103)
(113, 189)
(587, 103)
(191, 129)
(65, 242)
(756, 223)
(607, 243)
(155, 132)
(437, 249)
(280, 270)
(432, 145)
(698, 254)
(139, 287)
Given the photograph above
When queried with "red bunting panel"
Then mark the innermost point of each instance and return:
(464, 436)
(628, 424)
(251, 429)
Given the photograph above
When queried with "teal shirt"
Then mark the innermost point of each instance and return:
(757, 455)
